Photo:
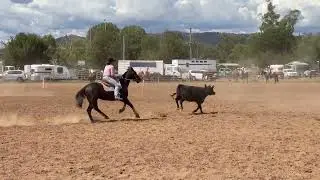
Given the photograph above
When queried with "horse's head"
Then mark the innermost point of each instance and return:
(131, 74)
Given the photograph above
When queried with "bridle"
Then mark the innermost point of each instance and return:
(121, 77)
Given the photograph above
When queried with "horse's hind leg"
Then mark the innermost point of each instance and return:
(95, 106)
(89, 109)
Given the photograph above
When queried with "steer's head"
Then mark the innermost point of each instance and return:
(209, 89)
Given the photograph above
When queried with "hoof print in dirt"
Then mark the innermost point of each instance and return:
(163, 115)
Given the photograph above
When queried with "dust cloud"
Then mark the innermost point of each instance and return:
(8, 120)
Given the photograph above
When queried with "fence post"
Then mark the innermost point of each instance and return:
(43, 83)
(142, 90)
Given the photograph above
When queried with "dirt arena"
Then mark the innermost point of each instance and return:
(250, 131)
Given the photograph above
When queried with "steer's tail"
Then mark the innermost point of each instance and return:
(80, 96)
(177, 93)
(172, 95)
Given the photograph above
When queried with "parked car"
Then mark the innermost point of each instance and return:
(195, 75)
(289, 73)
(224, 72)
(310, 73)
(14, 75)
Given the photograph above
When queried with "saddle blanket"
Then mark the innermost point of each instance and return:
(105, 86)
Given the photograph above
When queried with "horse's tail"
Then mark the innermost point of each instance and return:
(80, 96)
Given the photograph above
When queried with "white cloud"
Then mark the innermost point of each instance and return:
(75, 16)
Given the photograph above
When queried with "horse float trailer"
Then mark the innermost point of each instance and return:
(37, 72)
(152, 66)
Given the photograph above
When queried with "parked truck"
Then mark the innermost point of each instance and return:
(4, 68)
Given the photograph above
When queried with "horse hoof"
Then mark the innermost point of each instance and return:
(137, 116)
(120, 111)
(106, 117)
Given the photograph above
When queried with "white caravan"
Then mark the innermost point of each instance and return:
(153, 66)
(37, 72)
(299, 67)
(179, 67)
(231, 66)
(278, 69)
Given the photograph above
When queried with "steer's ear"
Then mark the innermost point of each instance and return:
(205, 85)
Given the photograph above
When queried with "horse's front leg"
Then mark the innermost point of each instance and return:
(123, 108)
(126, 101)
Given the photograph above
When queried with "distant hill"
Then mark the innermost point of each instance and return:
(212, 37)
(67, 39)
(205, 38)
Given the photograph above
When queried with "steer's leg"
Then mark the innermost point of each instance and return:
(199, 104)
(177, 102)
(196, 109)
(181, 101)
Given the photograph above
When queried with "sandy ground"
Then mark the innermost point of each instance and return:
(250, 131)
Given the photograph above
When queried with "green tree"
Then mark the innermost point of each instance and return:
(275, 39)
(70, 54)
(210, 52)
(226, 45)
(104, 43)
(238, 53)
(173, 46)
(316, 48)
(150, 46)
(308, 49)
(133, 38)
(51, 43)
(26, 49)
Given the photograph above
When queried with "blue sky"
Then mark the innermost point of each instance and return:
(61, 17)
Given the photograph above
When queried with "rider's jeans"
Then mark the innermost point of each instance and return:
(117, 85)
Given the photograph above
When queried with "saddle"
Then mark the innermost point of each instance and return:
(106, 86)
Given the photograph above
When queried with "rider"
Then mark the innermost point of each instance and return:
(108, 75)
